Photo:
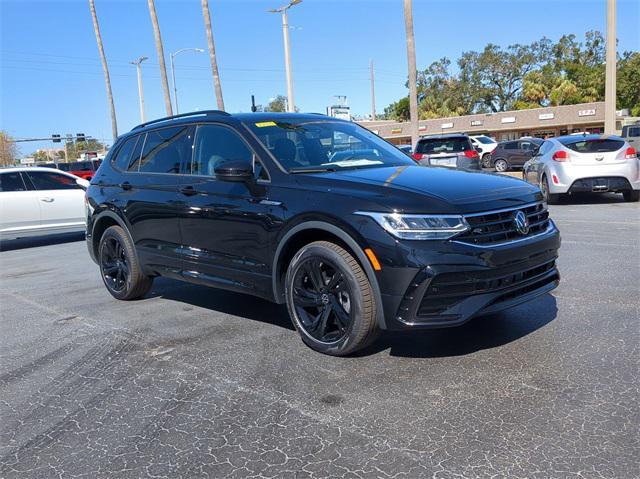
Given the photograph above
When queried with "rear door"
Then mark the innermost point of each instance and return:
(227, 227)
(19, 208)
(150, 195)
(61, 199)
(524, 152)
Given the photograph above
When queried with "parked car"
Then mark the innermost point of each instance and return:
(454, 151)
(484, 145)
(510, 154)
(587, 163)
(82, 169)
(37, 201)
(631, 134)
(254, 203)
(406, 149)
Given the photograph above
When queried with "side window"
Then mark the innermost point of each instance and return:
(121, 160)
(527, 145)
(216, 143)
(44, 180)
(12, 182)
(512, 145)
(166, 149)
(633, 131)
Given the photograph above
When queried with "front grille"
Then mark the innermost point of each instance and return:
(499, 227)
(447, 289)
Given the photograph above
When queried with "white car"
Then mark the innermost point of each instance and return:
(484, 146)
(38, 201)
(584, 164)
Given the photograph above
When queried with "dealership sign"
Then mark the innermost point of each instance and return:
(508, 119)
(587, 112)
(476, 122)
(446, 125)
(545, 116)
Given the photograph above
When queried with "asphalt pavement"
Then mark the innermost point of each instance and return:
(197, 382)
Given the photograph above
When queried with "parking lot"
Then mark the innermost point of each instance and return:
(196, 382)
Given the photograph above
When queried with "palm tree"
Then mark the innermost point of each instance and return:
(160, 49)
(105, 69)
(411, 60)
(212, 54)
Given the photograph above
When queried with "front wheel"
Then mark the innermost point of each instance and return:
(501, 166)
(119, 266)
(330, 300)
(631, 196)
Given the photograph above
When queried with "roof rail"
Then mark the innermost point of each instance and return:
(182, 115)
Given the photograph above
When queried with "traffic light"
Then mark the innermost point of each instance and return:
(55, 138)
(80, 137)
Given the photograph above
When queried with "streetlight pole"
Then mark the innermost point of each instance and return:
(140, 94)
(173, 71)
(287, 54)
(610, 71)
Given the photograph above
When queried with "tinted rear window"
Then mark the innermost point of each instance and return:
(593, 146)
(430, 146)
(11, 181)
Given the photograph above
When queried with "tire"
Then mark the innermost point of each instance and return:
(330, 300)
(631, 196)
(486, 160)
(119, 267)
(501, 165)
(550, 198)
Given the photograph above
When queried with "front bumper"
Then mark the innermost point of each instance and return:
(435, 284)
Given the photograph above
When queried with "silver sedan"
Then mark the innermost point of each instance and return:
(584, 164)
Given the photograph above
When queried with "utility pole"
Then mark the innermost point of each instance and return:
(610, 78)
(287, 55)
(411, 61)
(160, 50)
(373, 92)
(212, 54)
(140, 94)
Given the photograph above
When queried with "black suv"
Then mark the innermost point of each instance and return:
(320, 214)
(514, 153)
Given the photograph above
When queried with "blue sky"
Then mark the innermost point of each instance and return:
(51, 80)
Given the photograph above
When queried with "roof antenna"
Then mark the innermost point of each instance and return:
(253, 104)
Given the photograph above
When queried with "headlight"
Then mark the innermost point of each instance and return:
(419, 227)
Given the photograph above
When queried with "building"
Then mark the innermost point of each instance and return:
(505, 125)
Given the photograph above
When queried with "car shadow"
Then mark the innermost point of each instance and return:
(221, 301)
(591, 199)
(36, 241)
(480, 333)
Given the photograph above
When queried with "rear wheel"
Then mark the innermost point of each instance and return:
(501, 165)
(631, 195)
(486, 160)
(119, 267)
(551, 198)
(330, 299)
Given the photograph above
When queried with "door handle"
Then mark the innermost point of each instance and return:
(47, 200)
(125, 186)
(188, 190)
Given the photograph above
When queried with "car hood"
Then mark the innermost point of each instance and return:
(448, 189)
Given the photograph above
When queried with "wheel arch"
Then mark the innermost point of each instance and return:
(104, 220)
(315, 230)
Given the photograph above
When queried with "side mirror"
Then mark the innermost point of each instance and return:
(234, 170)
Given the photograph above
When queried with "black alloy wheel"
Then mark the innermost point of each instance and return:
(322, 300)
(330, 299)
(114, 265)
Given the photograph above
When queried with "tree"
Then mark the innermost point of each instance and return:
(628, 82)
(160, 50)
(398, 110)
(8, 150)
(278, 104)
(212, 54)
(105, 70)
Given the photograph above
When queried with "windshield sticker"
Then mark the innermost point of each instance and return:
(262, 124)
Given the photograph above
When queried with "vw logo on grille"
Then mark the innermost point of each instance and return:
(521, 223)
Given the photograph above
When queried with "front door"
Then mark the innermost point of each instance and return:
(19, 207)
(60, 197)
(150, 190)
(228, 228)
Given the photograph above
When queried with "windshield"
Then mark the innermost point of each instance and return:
(307, 145)
(430, 146)
(485, 139)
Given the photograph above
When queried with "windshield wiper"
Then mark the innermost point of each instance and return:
(312, 169)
